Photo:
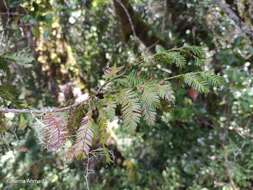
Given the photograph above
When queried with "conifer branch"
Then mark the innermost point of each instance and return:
(182, 75)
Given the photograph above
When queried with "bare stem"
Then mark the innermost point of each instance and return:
(128, 16)
(182, 75)
(41, 111)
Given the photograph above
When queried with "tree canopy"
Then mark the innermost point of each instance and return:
(126, 94)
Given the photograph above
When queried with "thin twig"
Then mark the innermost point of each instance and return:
(107, 82)
(181, 75)
(165, 14)
(43, 110)
(87, 173)
(8, 13)
(128, 16)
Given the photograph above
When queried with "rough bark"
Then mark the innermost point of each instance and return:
(242, 26)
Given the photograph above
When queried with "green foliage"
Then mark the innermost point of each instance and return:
(212, 79)
(131, 108)
(200, 80)
(195, 51)
(171, 58)
(83, 141)
(4, 64)
(180, 56)
(8, 92)
(200, 109)
(150, 101)
(21, 57)
(140, 97)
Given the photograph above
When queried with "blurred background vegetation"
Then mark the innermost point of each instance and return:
(56, 51)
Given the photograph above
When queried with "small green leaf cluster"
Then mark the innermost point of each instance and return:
(181, 56)
(138, 94)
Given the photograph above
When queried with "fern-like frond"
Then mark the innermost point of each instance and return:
(150, 94)
(165, 91)
(111, 72)
(149, 100)
(131, 107)
(102, 129)
(21, 57)
(199, 61)
(83, 141)
(195, 81)
(177, 59)
(149, 114)
(172, 57)
(109, 107)
(212, 79)
(197, 51)
(131, 80)
(52, 131)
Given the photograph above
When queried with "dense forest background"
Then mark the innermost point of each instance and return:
(126, 94)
